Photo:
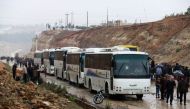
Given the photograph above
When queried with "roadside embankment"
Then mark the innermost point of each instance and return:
(18, 95)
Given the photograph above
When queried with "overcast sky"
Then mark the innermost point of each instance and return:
(48, 11)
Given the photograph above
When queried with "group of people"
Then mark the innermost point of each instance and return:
(28, 69)
(170, 77)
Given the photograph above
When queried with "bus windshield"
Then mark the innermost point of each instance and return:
(38, 55)
(131, 66)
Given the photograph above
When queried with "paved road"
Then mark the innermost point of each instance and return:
(122, 102)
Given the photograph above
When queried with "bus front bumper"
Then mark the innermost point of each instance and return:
(131, 91)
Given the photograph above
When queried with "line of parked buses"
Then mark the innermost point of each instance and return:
(120, 69)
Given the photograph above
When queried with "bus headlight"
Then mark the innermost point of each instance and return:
(146, 89)
(117, 88)
(120, 89)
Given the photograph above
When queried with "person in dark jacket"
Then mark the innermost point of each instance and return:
(162, 86)
(183, 89)
(14, 70)
(177, 67)
(25, 75)
(30, 72)
(186, 74)
(158, 87)
(170, 84)
(152, 68)
(177, 91)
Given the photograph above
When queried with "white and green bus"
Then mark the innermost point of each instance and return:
(58, 63)
(38, 58)
(75, 67)
(122, 72)
(61, 60)
(48, 57)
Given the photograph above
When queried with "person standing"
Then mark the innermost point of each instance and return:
(162, 86)
(177, 85)
(158, 87)
(14, 70)
(170, 84)
(183, 89)
(30, 72)
(25, 73)
(158, 71)
(186, 73)
(177, 67)
(45, 70)
(152, 68)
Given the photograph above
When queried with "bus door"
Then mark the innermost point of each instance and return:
(42, 59)
(81, 66)
(111, 72)
(64, 65)
(64, 60)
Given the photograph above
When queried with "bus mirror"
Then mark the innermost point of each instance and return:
(149, 58)
(113, 64)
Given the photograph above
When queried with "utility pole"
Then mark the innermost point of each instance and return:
(72, 19)
(66, 22)
(87, 19)
(107, 18)
(36, 42)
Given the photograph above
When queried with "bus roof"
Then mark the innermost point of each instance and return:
(70, 49)
(126, 46)
(120, 52)
(91, 50)
(38, 51)
(52, 49)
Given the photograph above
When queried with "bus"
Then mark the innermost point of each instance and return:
(38, 58)
(51, 69)
(61, 60)
(123, 72)
(75, 67)
(58, 62)
(48, 57)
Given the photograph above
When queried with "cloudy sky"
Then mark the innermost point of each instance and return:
(48, 11)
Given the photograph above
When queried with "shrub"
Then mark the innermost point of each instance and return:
(178, 50)
(71, 98)
(56, 88)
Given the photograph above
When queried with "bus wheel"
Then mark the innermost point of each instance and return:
(106, 89)
(139, 96)
(89, 85)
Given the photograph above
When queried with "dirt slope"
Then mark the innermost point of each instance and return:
(15, 95)
(167, 40)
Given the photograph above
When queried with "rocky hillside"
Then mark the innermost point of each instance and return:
(167, 40)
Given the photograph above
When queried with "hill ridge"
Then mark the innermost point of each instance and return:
(162, 39)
